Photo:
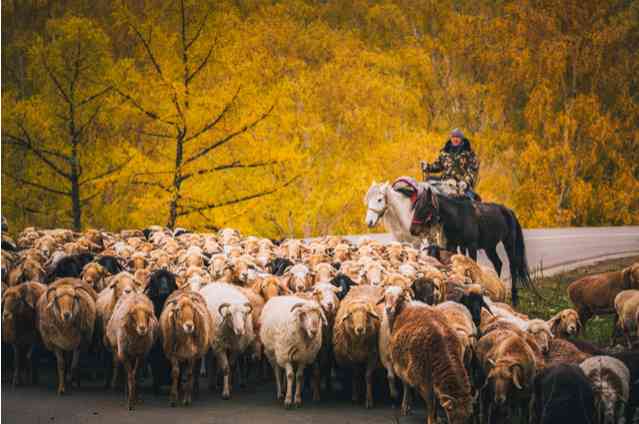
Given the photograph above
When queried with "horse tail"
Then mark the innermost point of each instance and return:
(519, 273)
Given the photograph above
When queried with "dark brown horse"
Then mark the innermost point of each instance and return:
(471, 226)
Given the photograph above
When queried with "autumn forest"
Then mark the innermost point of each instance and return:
(274, 117)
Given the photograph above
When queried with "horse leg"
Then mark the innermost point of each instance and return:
(494, 258)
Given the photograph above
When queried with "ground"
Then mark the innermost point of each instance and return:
(255, 404)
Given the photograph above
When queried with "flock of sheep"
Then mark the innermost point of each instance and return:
(167, 300)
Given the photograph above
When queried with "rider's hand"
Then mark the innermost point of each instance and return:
(424, 165)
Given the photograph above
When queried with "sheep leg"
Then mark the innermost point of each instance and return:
(114, 374)
(75, 372)
(188, 388)
(223, 363)
(32, 366)
(130, 373)
(429, 399)
(203, 366)
(299, 384)
(317, 381)
(59, 355)
(288, 400)
(406, 401)
(391, 384)
(175, 378)
(16, 365)
(212, 371)
(370, 369)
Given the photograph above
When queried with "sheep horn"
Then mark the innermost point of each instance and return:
(297, 305)
(223, 305)
(248, 305)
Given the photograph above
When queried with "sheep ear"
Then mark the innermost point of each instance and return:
(492, 362)
(30, 297)
(380, 300)
(446, 401)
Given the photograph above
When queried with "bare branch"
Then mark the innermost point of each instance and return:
(198, 32)
(89, 121)
(107, 172)
(147, 47)
(95, 96)
(40, 153)
(36, 185)
(214, 122)
(201, 65)
(90, 197)
(232, 165)
(210, 206)
(139, 107)
(228, 137)
(158, 135)
(55, 80)
(12, 139)
(153, 184)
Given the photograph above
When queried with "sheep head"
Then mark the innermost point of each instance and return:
(64, 302)
(310, 319)
(541, 333)
(505, 377)
(141, 319)
(565, 322)
(237, 316)
(182, 313)
(359, 320)
(325, 295)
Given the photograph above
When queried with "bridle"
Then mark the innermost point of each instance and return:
(380, 212)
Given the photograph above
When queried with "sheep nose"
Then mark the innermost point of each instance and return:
(66, 316)
(142, 330)
(6, 315)
(188, 327)
(359, 331)
(572, 329)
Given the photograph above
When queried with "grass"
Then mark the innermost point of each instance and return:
(555, 298)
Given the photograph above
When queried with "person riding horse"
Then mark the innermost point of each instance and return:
(456, 162)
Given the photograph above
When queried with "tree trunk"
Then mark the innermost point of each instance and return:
(177, 181)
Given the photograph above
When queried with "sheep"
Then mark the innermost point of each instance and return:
(185, 329)
(426, 355)
(631, 360)
(373, 273)
(130, 335)
(232, 327)
(610, 380)
(94, 275)
(298, 278)
(595, 294)
(355, 336)
(19, 324)
(66, 318)
(489, 280)
(563, 394)
(291, 331)
(390, 299)
(122, 284)
(565, 324)
(269, 286)
(27, 270)
(324, 272)
(627, 308)
(509, 364)
(561, 351)
(460, 319)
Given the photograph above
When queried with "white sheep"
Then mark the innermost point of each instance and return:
(610, 381)
(232, 327)
(291, 333)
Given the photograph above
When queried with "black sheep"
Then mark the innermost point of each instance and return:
(344, 282)
(161, 285)
(424, 290)
(278, 265)
(111, 264)
(68, 266)
(474, 302)
(563, 394)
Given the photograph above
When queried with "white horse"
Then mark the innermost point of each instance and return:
(393, 208)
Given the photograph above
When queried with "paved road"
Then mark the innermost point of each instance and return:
(561, 249)
(554, 249)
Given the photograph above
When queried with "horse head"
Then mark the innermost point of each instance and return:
(376, 203)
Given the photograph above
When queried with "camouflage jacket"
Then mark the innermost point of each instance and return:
(458, 163)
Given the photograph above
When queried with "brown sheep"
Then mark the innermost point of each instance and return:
(595, 294)
(27, 270)
(185, 327)
(426, 355)
(269, 287)
(66, 319)
(355, 336)
(489, 280)
(564, 352)
(19, 324)
(130, 334)
(94, 275)
(627, 308)
(565, 324)
(510, 369)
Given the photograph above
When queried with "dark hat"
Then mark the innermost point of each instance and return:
(457, 133)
